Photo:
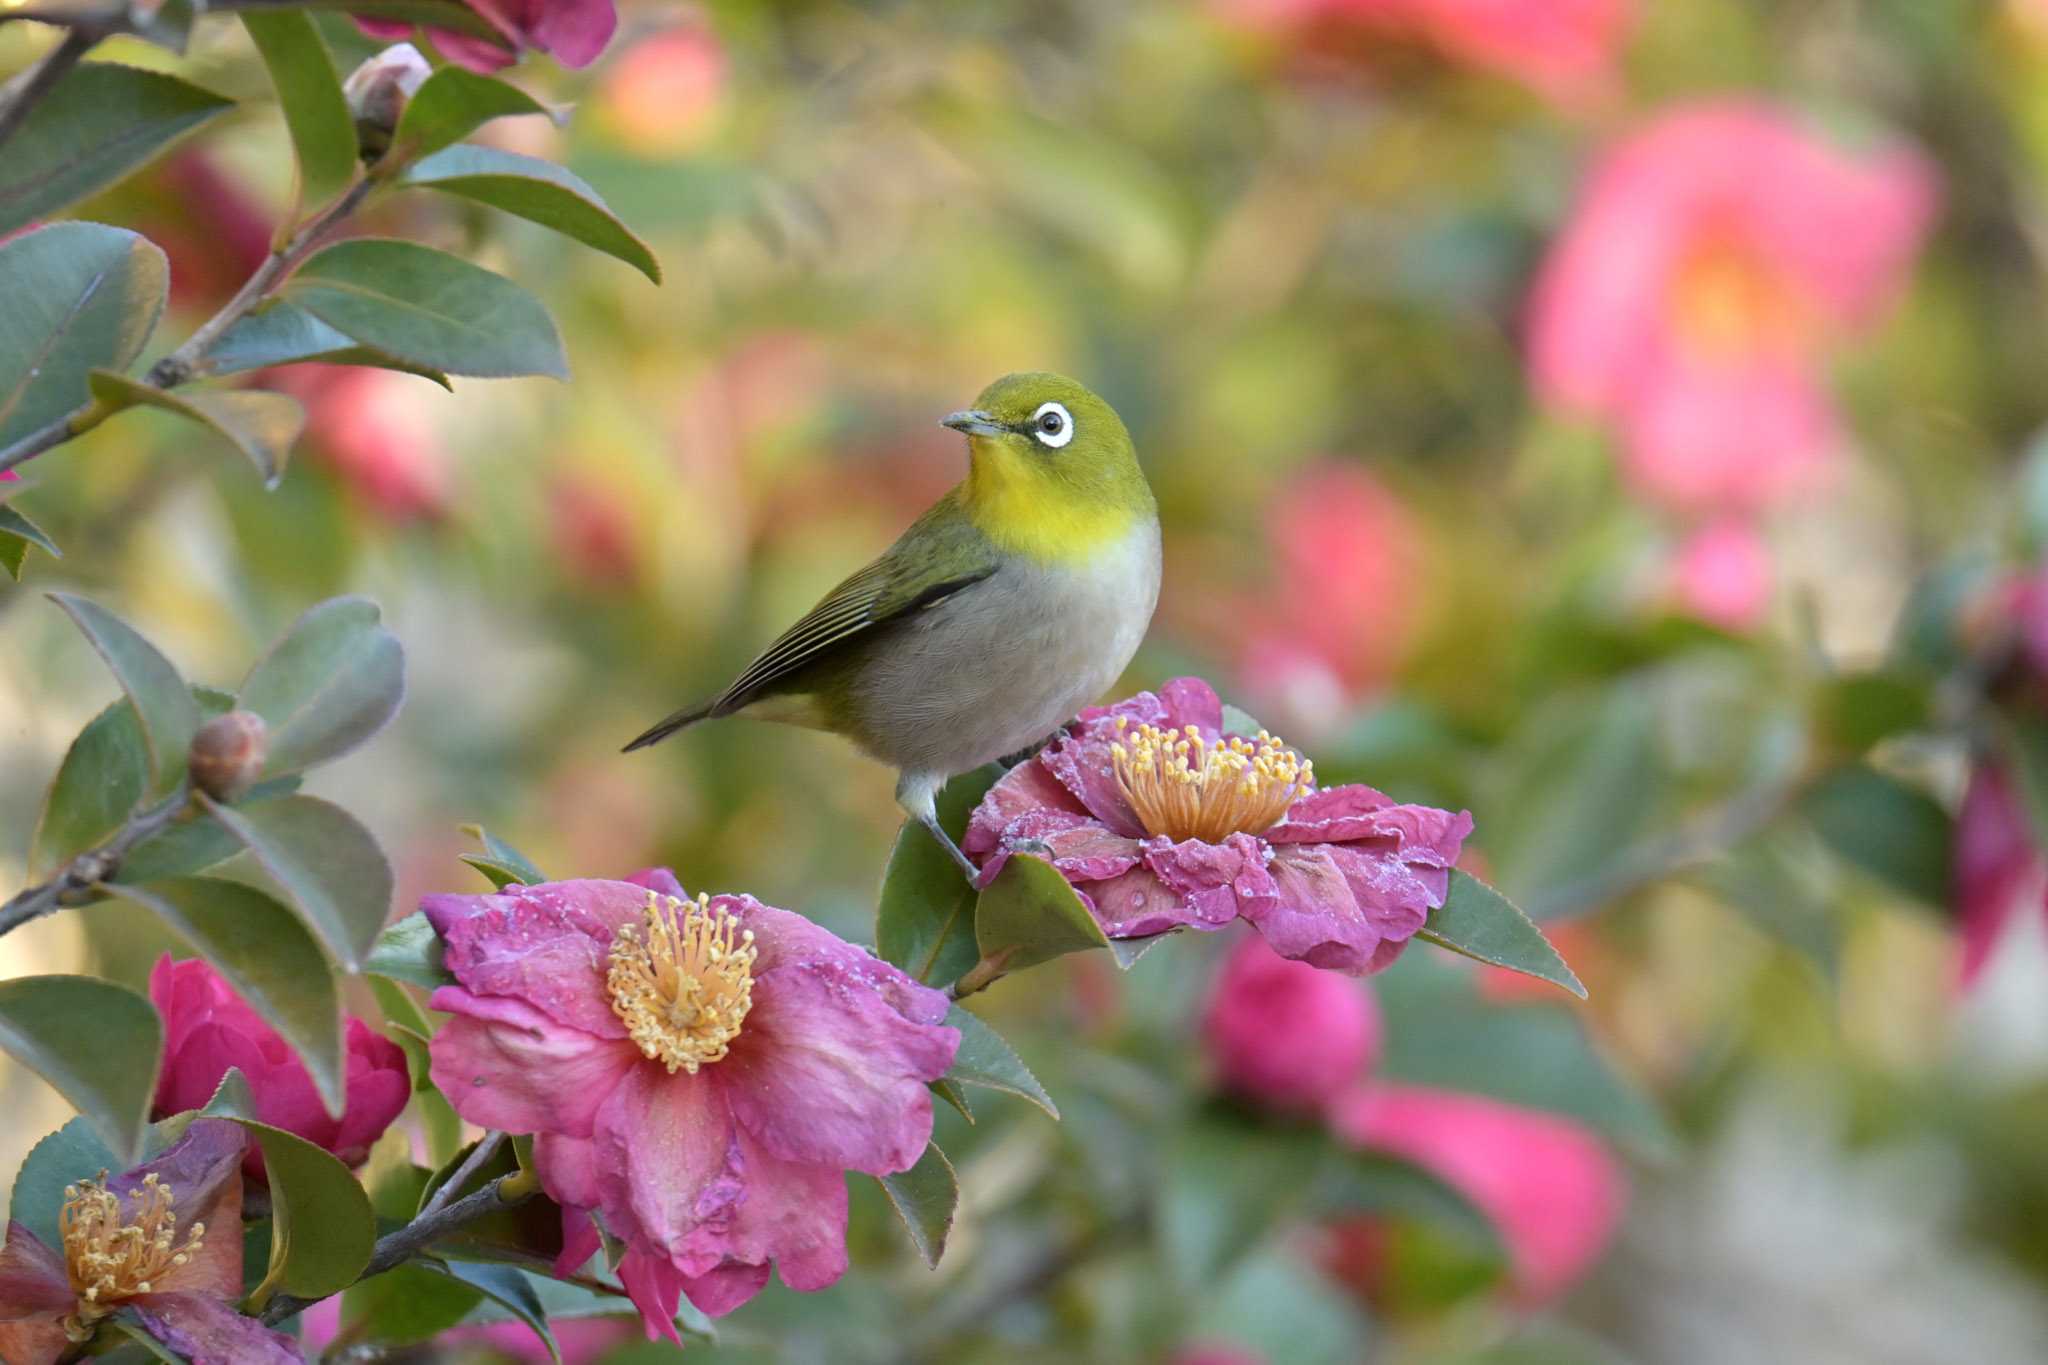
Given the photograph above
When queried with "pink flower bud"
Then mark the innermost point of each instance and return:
(1287, 1034)
(208, 1028)
(377, 92)
(227, 755)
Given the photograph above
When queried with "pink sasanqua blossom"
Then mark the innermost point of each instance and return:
(1283, 1033)
(1714, 259)
(1162, 821)
(700, 1074)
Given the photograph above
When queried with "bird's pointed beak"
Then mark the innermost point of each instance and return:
(975, 423)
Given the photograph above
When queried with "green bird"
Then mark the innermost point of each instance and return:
(1010, 604)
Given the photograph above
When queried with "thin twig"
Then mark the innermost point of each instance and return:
(486, 1148)
(93, 866)
(43, 79)
(393, 1248)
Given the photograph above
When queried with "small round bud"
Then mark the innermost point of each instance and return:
(377, 92)
(227, 755)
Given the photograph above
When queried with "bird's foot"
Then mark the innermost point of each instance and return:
(966, 864)
(1009, 761)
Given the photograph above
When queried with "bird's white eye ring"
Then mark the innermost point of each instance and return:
(1052, 425)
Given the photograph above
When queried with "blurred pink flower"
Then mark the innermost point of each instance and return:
(702, 1073)
(1343, 606)
(208, 1028)
(213, 229)
(1722, 574)
(1160, 820)
(592, 529)
(1713, 259)
(2022, 600)
(1284, 1033)
(1551, 1187)
(1997, 869)
(660, 94)
(573, 32)
(163, 1240)
(366, 423)
(1563, 49)
(582, 1340)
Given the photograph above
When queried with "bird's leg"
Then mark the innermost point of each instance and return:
(914, 793)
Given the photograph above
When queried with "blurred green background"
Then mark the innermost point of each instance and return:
(1298, 261)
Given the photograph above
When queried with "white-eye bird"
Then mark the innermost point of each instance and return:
(1009, 605)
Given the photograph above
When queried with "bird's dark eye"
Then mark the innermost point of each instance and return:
(1051, 423)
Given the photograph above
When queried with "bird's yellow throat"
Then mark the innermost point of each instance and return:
(1024, 512)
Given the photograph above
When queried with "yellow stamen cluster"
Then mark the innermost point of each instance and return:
(1182, 786)
(111, 1257)
(683, 983)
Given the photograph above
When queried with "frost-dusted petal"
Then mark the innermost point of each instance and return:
(1081, 762)
(1209, 878)
(1080, 846)
(827, 1070)
(718, 1292)
(546, 945)
(35, 1294)
(1339, 814)
(1191, 701)
(207, 1331)
(1138, 905)
(1313, 916)
(783, 938)
(1026, 788)
(794, 1213)
(506, 1065)
(666, 1157)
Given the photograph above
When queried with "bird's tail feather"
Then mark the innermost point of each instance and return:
(663, 729)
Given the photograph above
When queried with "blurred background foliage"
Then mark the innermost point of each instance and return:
(1295, 245)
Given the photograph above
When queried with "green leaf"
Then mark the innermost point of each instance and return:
(1894, 832)
(101, 122)
(17, 533)
(924, 922)
(1480, 923)
(80, 296)
(1029, 914)
(500, 860)
(539, 191)
(163, 703)
(96, 1043)
(405, 1305)
(326, 862)
(409, 951)
(430, 308)
(1352, 1182)
(507, 1287)
(1583, 785)
(452, 104)
(267, 956)
(450, 15)
(74, 1152)
(521, 1233)
(322, 1228)
(333, 680)
(262, 425)
(129, 1324)
(952, 1094)
(280, 334)
(103, 777)
(407, 1024)
(986, 1059)
(301, 71)
(924, 1197)
(1858, 710)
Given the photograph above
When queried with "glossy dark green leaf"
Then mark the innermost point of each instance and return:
(500, 860)
(1894, 832)
(925, 919)
(539, 191)
(301, 71)
(260, 424)
(1478, 922)
(409, 951)
(101, 122)
(407, 1024)
(80, 296)
(74, 1152)
(925, 1197)
(452, 104)
(325, 861)
(406, 1305)
(281, 334)
(333, 680)
(267, 956)
(321, 1228)
(510, 1288)
(96, 1043)
(1125, 952)
(430, 308)
(986, 1059)
(163, 703)
(1029, 914)
(449, 15)
(952, 1094)
(17, 533)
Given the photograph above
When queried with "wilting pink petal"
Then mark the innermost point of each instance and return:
(35, 1297)
(208, 1331)
(1284, 1033)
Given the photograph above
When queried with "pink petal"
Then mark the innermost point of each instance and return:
(504, 1064)
(546, 945)
(1339, 907)
(568, 1170)
(378, 1084)
(1338, 814)
(1995, 865)
(581, 1239)
(826, 1070)
(668, 1168)
(795, 1213)
(574, 31)
(33, 1281)
(204, 1171)
(1213, 881)
(208, 1332)
(1285, 1033)
(782, 938)
(1029, 787)
(1139, 905)
(718, 1292)
(655, 1287)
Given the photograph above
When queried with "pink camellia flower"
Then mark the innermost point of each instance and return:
(1997, 868)
(701, 1074)
(208, 1028)
(1284, 1033)
(1551, 1187)
(1161, 820)
(1713, 259)
(368, 425)
(1563, 49)
(573, 32)
(164, 1240)
(1722, 575)
(661, 95)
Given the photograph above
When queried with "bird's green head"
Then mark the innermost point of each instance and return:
(1054, 474)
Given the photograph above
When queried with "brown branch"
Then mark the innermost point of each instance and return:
(94, 866)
